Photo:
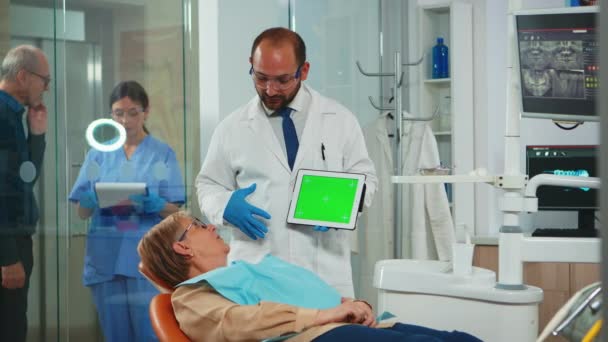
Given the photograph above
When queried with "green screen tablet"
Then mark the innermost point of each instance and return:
(326, 198)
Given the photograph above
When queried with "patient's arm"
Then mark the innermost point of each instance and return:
(348, 312)
(204, 315)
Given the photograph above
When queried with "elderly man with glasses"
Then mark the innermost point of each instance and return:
(24, 77)
(286, 127)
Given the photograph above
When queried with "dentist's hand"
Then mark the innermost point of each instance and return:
(320, 229)
(150, 204)
(240, 213)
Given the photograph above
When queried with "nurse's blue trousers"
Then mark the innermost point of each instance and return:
(122, 306)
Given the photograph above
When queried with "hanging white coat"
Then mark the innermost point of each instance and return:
(428, 231)
(376, 241)
(244, 149)
(428, 224)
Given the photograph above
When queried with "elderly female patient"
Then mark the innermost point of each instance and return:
(214, 301)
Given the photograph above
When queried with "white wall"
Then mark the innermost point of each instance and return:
(27, 21)
(337, 33)
(490, 119)
(395, 28)
(227, 29)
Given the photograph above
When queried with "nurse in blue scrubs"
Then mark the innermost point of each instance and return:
(120, 292)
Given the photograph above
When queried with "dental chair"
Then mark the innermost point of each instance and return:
(162, 316)
(580, 319)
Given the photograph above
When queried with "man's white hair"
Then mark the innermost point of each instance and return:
(21, 57)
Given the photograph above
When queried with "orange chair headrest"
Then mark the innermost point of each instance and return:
(157, 282)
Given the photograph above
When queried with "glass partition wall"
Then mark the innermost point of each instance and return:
(91, 47)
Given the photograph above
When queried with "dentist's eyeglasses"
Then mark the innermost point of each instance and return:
(282, 82)
(195, 223)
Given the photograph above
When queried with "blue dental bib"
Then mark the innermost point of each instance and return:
(272, 280)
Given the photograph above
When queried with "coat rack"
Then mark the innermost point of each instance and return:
(397, 75)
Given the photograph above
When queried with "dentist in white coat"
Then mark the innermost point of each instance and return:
(247, 178)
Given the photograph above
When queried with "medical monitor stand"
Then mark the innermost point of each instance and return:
(515, 248)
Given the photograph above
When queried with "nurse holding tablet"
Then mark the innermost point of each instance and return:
(121, 294)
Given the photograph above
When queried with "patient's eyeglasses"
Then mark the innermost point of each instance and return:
(195, 223)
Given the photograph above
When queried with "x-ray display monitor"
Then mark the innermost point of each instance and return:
(558, 62)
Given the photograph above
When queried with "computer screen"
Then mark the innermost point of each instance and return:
(578, 161)
(558, 63)
(324, 198)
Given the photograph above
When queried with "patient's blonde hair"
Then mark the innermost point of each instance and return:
(156, 250)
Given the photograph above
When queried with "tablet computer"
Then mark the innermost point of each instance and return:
(324, 198)
(110, 194)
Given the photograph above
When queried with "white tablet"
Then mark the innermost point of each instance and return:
(324, 198)
(112, 194)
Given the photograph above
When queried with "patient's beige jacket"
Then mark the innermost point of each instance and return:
(204, 315)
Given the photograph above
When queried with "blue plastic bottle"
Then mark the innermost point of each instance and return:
(440, 60)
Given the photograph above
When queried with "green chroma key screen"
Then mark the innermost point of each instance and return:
(326, 199)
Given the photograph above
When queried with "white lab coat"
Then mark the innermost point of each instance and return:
(428, 229)
(376, 238)
(427, 220)
(244, 149)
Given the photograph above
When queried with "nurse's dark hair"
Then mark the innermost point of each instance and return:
(280, 35)
(132, 90)
(156, 250)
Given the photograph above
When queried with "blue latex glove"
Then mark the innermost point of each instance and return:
(150, 204)
(240, 213)
(384, 315)
(320, 228)
(88, 200)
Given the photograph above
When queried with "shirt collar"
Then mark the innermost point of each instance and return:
(297, 104)
(13, 104)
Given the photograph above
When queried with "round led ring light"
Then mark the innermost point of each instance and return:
(122, 135)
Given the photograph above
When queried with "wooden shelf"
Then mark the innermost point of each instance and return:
(438, 8)
(438, 81)
(452, 20)
(442, 133)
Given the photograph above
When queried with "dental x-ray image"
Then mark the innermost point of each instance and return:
(552, 68)
(553, 83)
(558, 63)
